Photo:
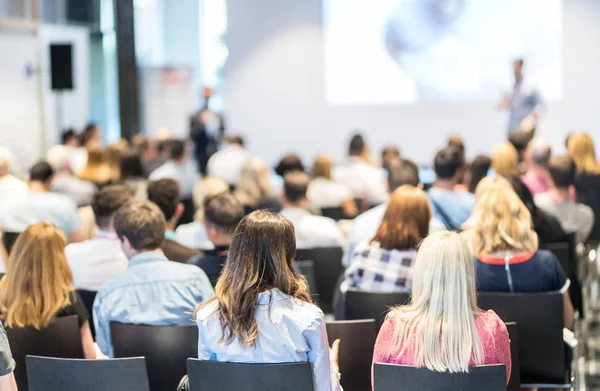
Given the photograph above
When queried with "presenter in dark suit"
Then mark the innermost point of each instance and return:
(206, 130)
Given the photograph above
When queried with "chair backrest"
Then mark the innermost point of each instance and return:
(88, 298)
(400, 377)
(514, 383)
(9, 239)
(336, 213)
(328, 267)
(373, 305)
(166, 349)
(307, 269)
(357, 341)
(59, 374)
(62, 338)
(223, 376)
(539, 318)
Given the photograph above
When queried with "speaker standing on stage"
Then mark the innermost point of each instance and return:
(206, 130)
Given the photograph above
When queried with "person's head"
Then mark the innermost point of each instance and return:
(406, 220)
(235, 140)
(389, 153)
(38, 279)
(289, 163)
(91, 137)
(260, 259)
(176, 150)
(140, 226)
(562, 170)
(96, 168)
(402, 172)
(505, 160)
(70, 139)
(58, 157)
(131, 166)
(458, 143)
(6, 161)
(520, 139)
(357, 146)
(114, 154)
(207, 187)
(295, 186)
(145, 148)
(107, 201)
(448, 164)
(443, 307)
(538, 153)
(222, 214)
(254, 185)
(41, 173)
(518, 67)
(322, 167)
(165, 194)
(479, 170)
(582, 151)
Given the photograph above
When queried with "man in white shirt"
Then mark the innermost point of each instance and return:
(9, 184)
(99, 259)
(64, 181)
(311, 231)
(227, 163)
(179, 167)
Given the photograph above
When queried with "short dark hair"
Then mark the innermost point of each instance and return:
(295, 186)
(142, 223)
(131, 166)
(357, 145)
(239, 140)
(479, 170)
(520, 139)
(107, 201)
(289, 163)
(562, 170)
(68, 135)
(176, 149)
(41, 171)
(447, 162)
(223, 211)
(402, 172)
(88, 133)
(520, 60)
(165, 194)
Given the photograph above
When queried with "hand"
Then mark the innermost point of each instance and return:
(334, 353)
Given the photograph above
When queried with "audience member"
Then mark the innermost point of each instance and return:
(324, 193)
(227, 164)
(505, 161)
(262, 311)
(96, 169)
(179, 167)
(99, 259)
(39, 204)
(165, 194)
(114, 154)
(480, 166)
(222, 214)
(442, 328)
(38, 285)
(133, 176)
(64, 181)
(10, 186)
(537, 178)
(254, 189)
(388, 154)
(148, 153)
(151, 290)
(386, 262)
(450, 207)
(289, 163)
(7, 364)
(91, 137)
(458, 144)
(520, 139)
(506, 247)
(365, 180)
(70, 139)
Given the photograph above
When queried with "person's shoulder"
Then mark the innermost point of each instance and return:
(206, 311)
(75, 249)
(490, 321)
(59, 200)
(586, 211)
(544, 258)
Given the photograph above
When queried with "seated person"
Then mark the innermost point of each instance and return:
(7, 364)
(38, 285)
(9, 184)
(537, 155)
(97, 260)
(386, 262)
(227, 163)
(179, 167)
(65, 182)
(573, 216)
(165, 194)
(254, 188)
(325, 193)
(311, 231)
(222, 214)
(506, 248)
(262, 311)
(152, 290)
(411, 334)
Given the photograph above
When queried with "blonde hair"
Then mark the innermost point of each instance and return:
(96, 169)
(441, 317)
(254, 185)
(582, 151)
(501, 222)
(38, 280)
(505, 160)
(207, 187)
(322, 167)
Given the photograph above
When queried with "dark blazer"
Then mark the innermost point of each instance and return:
(177, 252)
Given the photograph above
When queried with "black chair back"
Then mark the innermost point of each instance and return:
(55, 374)
(88, 298)
(372, 305)
(514, 383)
(335, 213)
(357, 341)
(188, 211)
(166, 349)
(399, 377)
(62, 338)
(307, 269)
(539, 318)
(223, 376)
(328, 267)
(9, 239)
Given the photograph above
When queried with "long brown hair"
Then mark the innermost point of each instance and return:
(322, 167)
(406, 220)
(581, 149)
(97, 169)
(260, 258)
(38, 279)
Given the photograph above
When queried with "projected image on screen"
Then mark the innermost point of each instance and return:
(411, 51)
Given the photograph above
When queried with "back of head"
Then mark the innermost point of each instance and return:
(505, 160)
(443, 307)
(38, 279)
(131, 166)
(582, 151)
(357, 146)
(107, 201)
(254, 184)
(520, 139)
(208, 187)
(480, 166)
(406, 220)
(447, 163)
(295, 186)
(224, 212)
(6, 160)
(90, 136)
(235, 140)
(165, 194)
(562, 170)
(142, 223)
(388, 154)
(402, 172)
(69, 137)
(41, 172)
(176, 150)
(96, 169)
(458, 143)
(58, 157)
(322, 167)
(539, 152)
(289, 163)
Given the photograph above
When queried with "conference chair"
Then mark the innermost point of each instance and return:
(307, 269)
(166, 349)
(373, 305)
(55, 374)
(334, 213)
(357, 341)
(539, 318)
(88, 298)
(328, 267)
(390, 377)
(62, 338)
(9, 239)
(188, 211)
(222, 376)
(514, 383)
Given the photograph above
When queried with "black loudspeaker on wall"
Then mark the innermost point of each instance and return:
(61, 66)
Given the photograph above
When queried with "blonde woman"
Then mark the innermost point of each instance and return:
(506, 247)
(96, 170)
(325, 193)
(443, 313)
(505, 160)
(38, 285)
(254, 189)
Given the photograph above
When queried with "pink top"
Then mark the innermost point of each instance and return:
(492, 333)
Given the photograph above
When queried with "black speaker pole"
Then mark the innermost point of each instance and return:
(58, 97)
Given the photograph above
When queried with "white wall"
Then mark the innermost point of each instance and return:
(275, 90)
